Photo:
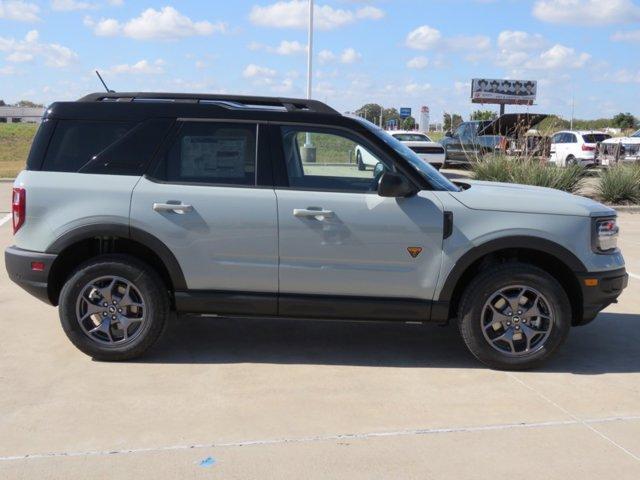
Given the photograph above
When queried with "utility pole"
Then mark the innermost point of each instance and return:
(309, 151)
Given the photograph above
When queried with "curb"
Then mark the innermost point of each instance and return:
(626, 208)
(7, 180)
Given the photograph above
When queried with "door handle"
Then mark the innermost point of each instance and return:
(312, 212)
(179, 208)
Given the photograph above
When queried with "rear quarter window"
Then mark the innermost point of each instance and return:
(595, 137)
(75, 143)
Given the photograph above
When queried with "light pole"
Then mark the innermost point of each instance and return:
(309, 151)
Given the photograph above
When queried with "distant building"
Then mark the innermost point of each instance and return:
(424, 119)
(10, 114)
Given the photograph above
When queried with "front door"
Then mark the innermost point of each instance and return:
(338, 238)
(201, 200)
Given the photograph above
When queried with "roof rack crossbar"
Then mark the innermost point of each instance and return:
(289, 104)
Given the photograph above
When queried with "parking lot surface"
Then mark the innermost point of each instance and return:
(238, 398)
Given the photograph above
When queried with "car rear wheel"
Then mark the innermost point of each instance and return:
(571, 160)
(114, 307)
(514, 316)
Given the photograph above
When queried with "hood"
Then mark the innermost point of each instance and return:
(511, 124)
(625, 140)
(510, 197)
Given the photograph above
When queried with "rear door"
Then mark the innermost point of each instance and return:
(555, 145)
(202, 200)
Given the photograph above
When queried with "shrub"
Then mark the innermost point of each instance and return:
(529, 171)
(620, 185)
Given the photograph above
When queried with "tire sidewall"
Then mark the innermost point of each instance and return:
(145, 280)
(486, 285)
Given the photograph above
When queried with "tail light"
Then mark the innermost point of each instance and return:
(588, 148)
(18, 208)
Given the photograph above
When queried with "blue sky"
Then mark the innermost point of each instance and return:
(394, 52)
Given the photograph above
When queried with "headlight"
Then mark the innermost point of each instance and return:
(605, 235)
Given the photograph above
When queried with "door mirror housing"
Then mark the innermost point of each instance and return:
(448, 134)
(395, 185)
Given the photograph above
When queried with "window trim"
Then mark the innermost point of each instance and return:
(319, 127)
(172, 136)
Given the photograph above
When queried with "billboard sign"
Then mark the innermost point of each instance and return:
(405, 112)
(507, 92)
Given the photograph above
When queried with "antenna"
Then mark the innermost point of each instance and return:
(104, 84)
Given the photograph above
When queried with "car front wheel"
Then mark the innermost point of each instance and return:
(514, 316)
(114, 307)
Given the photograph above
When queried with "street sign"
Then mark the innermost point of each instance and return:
(405, 112)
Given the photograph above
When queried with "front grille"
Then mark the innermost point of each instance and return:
(427, 149)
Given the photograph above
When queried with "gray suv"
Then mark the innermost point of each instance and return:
(137, 205)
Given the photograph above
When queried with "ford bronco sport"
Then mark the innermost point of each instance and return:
(136, 205)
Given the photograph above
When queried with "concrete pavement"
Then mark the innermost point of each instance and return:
(289, 399)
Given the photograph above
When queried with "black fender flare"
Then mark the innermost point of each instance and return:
(560, 253)
(123, 231)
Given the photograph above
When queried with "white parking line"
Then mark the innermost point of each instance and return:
(5, 219)
(320, 438)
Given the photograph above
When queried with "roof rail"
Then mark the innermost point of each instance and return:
(227, 101)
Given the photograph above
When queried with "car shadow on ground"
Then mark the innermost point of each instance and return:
(608, 345)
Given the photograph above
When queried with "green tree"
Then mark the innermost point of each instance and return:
(28, 103)
(409, 123)
(625, 121)
(2, 104)
(483, 115)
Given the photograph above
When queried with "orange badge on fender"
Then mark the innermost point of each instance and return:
(414, 251)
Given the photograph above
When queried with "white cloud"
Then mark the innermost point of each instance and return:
(52, 54)
(115, 3)
(587, 12)
(142, 67)
(628, 36)
(166, 24)
(423, 38)
(428, 38)
(19, 10)
(252, 70)
(559, 56)
(295, 14)
(413, 88)
(8, 70)
(350, 55)
(284, 48)
(70, 5)
(418, 62)
(623, 76)
(326, 56)
(515, 40)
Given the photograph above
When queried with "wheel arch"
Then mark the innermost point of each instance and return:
(80, 244)
(555, 259)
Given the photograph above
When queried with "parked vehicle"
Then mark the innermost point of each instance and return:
(575, 147)
(425, 148)
(136, 205)
(475, 139)
(619, 150)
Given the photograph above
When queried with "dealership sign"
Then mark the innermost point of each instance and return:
(405, 112)
(509, 92)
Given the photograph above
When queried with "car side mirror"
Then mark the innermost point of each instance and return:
(395, 185)
(448, 134)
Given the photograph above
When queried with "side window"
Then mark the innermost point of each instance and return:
(571, 138)
(556, 138)
(211, 152)
(329, 160)
(459, 131)
(76, 142)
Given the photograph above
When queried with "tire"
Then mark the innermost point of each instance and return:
(127, 290)
(475, 313)
(361, 165)
(570, 160)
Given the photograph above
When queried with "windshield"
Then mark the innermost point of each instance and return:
(595, 137)
(637, 134)
(411, 137)
(435, 178)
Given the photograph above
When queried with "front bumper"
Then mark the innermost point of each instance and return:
(19, 264)
(606, 291)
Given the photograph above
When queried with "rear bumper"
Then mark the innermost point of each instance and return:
(19, 267)
(596, 298)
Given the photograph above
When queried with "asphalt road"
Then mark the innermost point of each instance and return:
(273, 399)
